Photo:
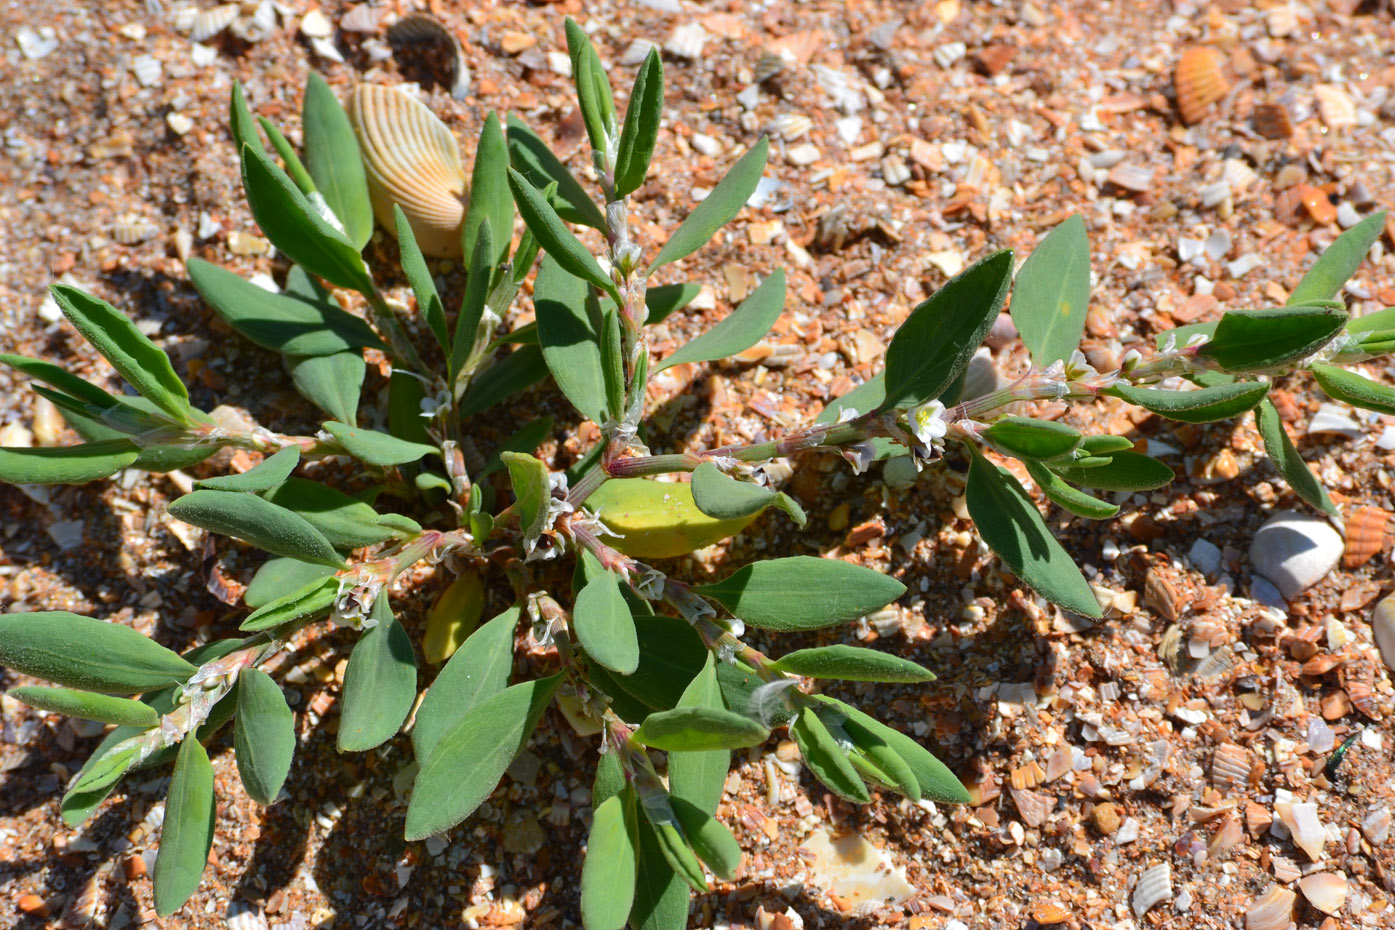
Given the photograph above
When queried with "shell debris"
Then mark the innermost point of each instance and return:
(1272, 910)
(1153, 888)
(1199, 81)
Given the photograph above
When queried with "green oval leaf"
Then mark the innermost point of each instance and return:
(67, 464)
(700, 777)
(259, 522)
(1026, 438)
(1052, 293)
(1264, 340)
(1105, 445)
(265, 476)
(334, 161)
(852, 663)
(556, 239)
(741, 329)
(716, 209)
(570, 338)
(263, 735)
(479, 669)
(775, 594)
(375, 448)
(469, 759)
(88, 706)
(1125, 471)
(530, 156)
(939, 337)
(1338, 262)
(1072, 499)
(1286, 458)
(532, 492)
(688, 729)
(88, 654)
(602, 621)
(722, 497)
(671, 655)
(309, 599)
(380, 683)
(608, 872)
(188, 829)
(330, 382)
(1201, 406)
(346, 522)
(641, 131)
(1353, 389)
(279, 575)
(712, 841)
(1012, 527)
(826, 759)
(676, 850)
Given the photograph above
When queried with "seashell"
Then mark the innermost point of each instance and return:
(1366, 535)
(419, 30)
(1305, 828)
(205, 24)
(1027, 776)
(1326, 891)
(1272, 120)
(1230, 766)
(1257, 818)
(1285, 869)
(1229, 834)
(1273, 910)
(1335, 106)
(1383, 629)
(1320, 665)
(258, 26)
(362, 18)
(1199, 82)
(1153, 888)
(411, 159)
(789, 126)
(768, 65)
(1046, 913)
(1035, 808)
(131, 231)
(1375, 826)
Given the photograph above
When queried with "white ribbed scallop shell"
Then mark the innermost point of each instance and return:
(412, 160)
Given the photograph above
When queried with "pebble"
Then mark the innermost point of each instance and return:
(1333, 419)
(1106, 818)
(35, 45)
(1205, 557)
(686, 41)
(1383, 630)
(1295, 551)
(900, 473)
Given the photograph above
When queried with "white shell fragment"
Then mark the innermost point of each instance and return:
(206, 24)
(1326, 891)
(1153, 888)
(1271, 911)
(411, 159)
(1295, 551)
(856, 871)
(35, 45)
(1304, 827)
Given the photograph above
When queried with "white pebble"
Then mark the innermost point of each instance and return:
(1295, 551)
(1205, 557)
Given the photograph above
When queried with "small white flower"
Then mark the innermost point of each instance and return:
(1169, 344)
(650, 585)
(1131, 358)
(1197, 339)
(928, 423)
(860, 455)
(1077, 368)
(848, 413)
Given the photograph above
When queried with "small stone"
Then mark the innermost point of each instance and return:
(1106, 818)
(1205, 557)
(35, 45)
(686, 41)
(1383, 630)
(315, 25)
(178, 122)
(147, 69)
(803, 155)
(513, 42)
(523, 834)
(33, 905)
(1295, 551)
(900, 473)
(1376, 826)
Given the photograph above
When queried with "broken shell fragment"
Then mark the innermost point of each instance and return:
(412, 33)
(1303, 825)
(1153, 888)
(1365, 535)
(1271, 911)
(1199, 81)
(1383, 629)
(411, 159)
(1326, 891)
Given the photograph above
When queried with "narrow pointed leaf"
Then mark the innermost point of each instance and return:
(689, 729)
(612, 363)
(531, 157)
(936, 780)
(333, 159)
(661, 896)
(742, 328)
(1286, 458)
(556, 239)
(263, 735)
(1072, 499)
(88, 654)
(1262, 340)
(1338, 262)
(892, 771)
(375, 448)
(490, 200)
(608, 872)
(1052, 293)
(188, 829)
(1125, 471)
(722, 497)
(774, 594)
(641, 131)
(1012, 527)
(240, 121)
(270, 473)
(99, 776)
(939, 337)
(592, 88)
(419, 277)
(380, 683)
(294, 168)
(88, 706)
(532, 491)
(1353, 389)
(1032, 439)
(67, 464)
(60, 378)
(700, 777)
(663, 301)
(472, 305)
(259, 522)
(716, 209)
(852, 663)
(346, 522)
(826, 759)
(330, 382)
(143, 364)
(712, 841)
(478, 670)
(603, 623)
(570, 339)
(310, 598)
(468, 760)
(676, 850)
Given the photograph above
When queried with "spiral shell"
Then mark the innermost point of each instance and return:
(412, 160)
(1200, 82)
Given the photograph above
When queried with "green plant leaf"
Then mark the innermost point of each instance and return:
(330, 382)
(663, 301)
(676, 850)
(530, 156)
(375, 448)
(712, 841)
(1072, 499)
(279, 575)
(101, 773)
(188, 830)
(1027, 438)
(939, 337)
(610, 779)
(143, 364)
(294, 169)
(478, 670)
(570, 338)
(308, 599)
(592, 88)
(612, 362)
(741, 329)
(1264, 340)
(1286, 458)
(826, 759)
(468, 760)
(257, 521)
(602, 622)
(296, 228)
(271, 472)
(88, 654)
(527, 439)
(852, 663)
(700, 777)
(774, 594)
(555, 238)
(419, 277)
(689, 729)
(1206, 405)
(472, 306)
(716, 209)
(1351, 388)
(60, 378)
(380, 683)
(263, 735)
(511, 375)
(873, 755)
(89, 706)
(671, 655)
(1052, 293)
(642, 116)
(608, 873)
(346, 522)
(1379, 324)
(936, 781)
(722, 497)
(661, 897)
(67, 464)
(490, 200)
(240, 121)
(1012, 527)
(333, 158)
(1105, 445)
(281, 322)
(1125, 471)
(1338, 262)
(532, 492)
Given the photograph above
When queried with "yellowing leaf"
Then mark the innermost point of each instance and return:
(454, 617)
